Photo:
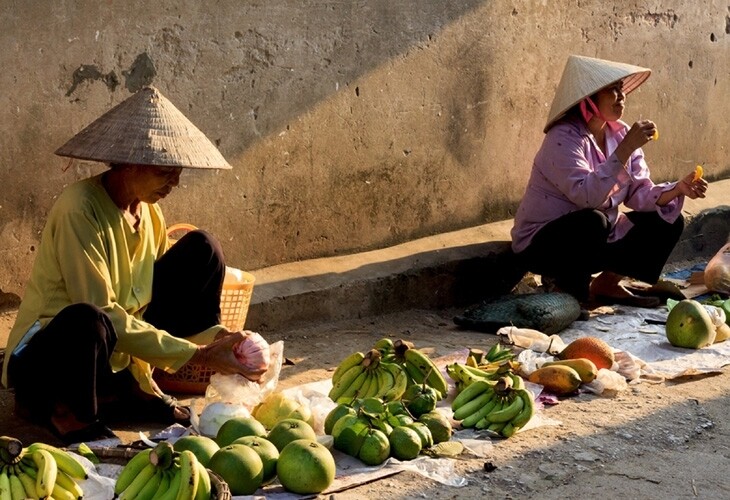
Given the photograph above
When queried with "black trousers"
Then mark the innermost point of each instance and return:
(67, 362)
(572, 248)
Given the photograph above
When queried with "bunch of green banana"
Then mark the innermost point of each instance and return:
(367, 375)
(464, 374)
(420, 368)
(164, 474)
(38, 471)
(502, 407)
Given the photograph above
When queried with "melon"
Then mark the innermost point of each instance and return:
(690, 325)
(592, 348)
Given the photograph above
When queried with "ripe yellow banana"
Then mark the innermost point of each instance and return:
(189, 476)
(61, 493)
(65, 461)
(353, 359)
(481, 414)
(68, 483)
(47, 472)
(139, 482)
(132, 470)
(345, 381)
(205, 488)
(508, 411)
(28, 484)
(400, 382)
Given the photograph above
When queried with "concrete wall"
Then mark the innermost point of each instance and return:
(351, 125)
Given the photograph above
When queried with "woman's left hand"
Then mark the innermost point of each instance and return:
(692, 188)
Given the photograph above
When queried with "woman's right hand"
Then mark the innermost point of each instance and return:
(219, 356)
(639, 134)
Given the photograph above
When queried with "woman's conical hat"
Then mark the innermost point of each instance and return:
(145, 129)
(584, 76)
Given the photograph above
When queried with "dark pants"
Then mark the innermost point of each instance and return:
(68, 361)
(572, 248)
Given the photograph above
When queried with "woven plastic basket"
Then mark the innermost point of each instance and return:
(235, 300)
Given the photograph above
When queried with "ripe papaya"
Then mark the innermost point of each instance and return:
(593, 348)
(557, 379)
(586, 369)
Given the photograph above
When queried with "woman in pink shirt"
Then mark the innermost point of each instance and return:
(568, 225)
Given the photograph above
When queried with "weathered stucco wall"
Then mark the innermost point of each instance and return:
(350, 125)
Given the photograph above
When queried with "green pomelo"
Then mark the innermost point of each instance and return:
(334, 415)
(423, 432)
(266, 450)
(350, 439)
(238, 427)
(342, 423)
(275, 408)
(305, 467)
(439, 425)
(411, 392)
(405, 443)
(240, 467)
(202, 447)
(397, 407)
(304, 413)
(689, 325)
(288, 430)
(375, 448)
(404, 420)
(422, 401)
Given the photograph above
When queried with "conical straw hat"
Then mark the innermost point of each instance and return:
(145, 129)
(584, 76)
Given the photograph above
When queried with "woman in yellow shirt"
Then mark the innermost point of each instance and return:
(108, 298)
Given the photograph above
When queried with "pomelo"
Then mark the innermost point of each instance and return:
(375, 448)
(202, 447)
(334, 415)
(305, 467)
(438, 424)
(405, 443)
(240, 467)
(423, 432)
(288, 430)
(689, 325)
(266, 450)
(238, 427)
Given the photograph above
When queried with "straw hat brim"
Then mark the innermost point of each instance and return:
(145, 129)
(584, 76)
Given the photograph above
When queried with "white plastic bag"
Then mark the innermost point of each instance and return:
(717, 272)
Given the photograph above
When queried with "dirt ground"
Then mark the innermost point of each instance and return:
(667, 440)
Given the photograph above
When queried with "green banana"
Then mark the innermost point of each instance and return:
(517, 381)
(400, 382)
(139, 482)
(508, 412)
(189, 476)
(354, 390)
(508, 430)
(47, 472)
(482, 424)
(132, 470)
(353, 359)
(175, 478)
(148, 490)
(385, 346)
(205, 487)
(162, 455)
(5, 492)
(17, 490)
(527, 412)
(386, 381)
(431, 373)
(481, 414)
(68, 483)
(474, 405)
(345, 381)
(371, 381)
(66, 462)
(496, 427)
(164, 482)
(468, 393)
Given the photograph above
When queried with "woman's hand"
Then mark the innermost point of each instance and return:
(686, 186)
(219, 356)
(639, 134)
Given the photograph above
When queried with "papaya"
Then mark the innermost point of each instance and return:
(585, 368)
(558, 379)
(593, 348)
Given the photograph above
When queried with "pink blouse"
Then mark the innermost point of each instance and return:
(570, 173)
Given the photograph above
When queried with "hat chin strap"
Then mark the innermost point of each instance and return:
(590, 113)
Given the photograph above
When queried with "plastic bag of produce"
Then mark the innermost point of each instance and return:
(717, 272)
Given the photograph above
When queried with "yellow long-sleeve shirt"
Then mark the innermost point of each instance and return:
(90, 253)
